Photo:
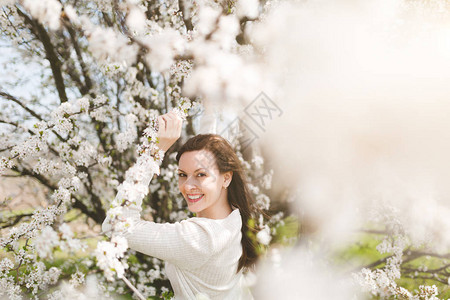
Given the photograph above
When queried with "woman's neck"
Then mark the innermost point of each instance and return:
(216, 212)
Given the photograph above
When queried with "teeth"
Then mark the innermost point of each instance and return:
(195, 197)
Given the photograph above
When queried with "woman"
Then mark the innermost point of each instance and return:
(205, 255)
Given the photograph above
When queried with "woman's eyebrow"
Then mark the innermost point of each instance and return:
(200, 169)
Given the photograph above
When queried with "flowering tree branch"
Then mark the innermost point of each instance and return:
(87, 86)
(114, 70)
(15, 219)
(40, 33)
(186, 16)
(15, 100)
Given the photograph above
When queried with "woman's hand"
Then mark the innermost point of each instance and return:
(169, 130)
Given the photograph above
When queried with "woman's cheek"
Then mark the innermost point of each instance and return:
(181, 184)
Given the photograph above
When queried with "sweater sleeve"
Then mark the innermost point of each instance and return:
(187, 244)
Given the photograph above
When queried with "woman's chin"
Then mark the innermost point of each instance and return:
(194, 208)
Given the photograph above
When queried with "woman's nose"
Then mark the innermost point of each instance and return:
(190, 183)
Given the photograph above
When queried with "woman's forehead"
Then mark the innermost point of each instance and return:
(199, 159)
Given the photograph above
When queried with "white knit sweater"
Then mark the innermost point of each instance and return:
(201, 254)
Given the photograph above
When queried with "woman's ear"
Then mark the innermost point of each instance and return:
(227, 176)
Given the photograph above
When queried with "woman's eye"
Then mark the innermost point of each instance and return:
(181, 175)
(201, 174)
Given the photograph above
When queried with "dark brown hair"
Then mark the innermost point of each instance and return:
(239, 195)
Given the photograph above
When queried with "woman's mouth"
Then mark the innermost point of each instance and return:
(194, 197)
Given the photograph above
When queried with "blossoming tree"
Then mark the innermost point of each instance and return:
(103, 71)
(78, 118)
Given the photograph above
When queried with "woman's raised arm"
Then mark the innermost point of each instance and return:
(169, 131)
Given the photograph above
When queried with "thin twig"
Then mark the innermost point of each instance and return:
(186, 17)
(131, 286)
(20, 263)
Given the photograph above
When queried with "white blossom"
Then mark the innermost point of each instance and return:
(85, 154)
(70, 12)
(46, 11)
(220, 75)
(207, 18)
(7, 2)
(108, 255)
(9, 289)
(66, 231)
(77, 278)
(104, 160)
(127, 138)
(83, 104)
(5, 163)
(263, 236)
(102, 114)
(146, 290)
(75, 183)
(105, 43)
(30, 147)
(45, 166)
(262, 201)
(247, 8)
(428, 292)
(62, 194)
(5, 265)
(258, 161)
(100, 100)
(39, 278)
(266, 180)
(228, 29)
(163, 48)
(45, 242)
(136, 19)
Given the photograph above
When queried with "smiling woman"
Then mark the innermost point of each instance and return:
(202, 184)
(205, 255)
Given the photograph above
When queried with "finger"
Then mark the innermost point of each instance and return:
(173, 115)
(162, 123)
(173, 127)
(169, 123)
(179, 125)
(174, 120)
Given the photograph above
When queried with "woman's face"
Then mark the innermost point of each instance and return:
(202, 185)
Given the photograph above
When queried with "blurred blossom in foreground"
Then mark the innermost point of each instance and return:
(365, 94)
(300, 275)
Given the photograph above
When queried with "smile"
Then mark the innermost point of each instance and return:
(194, 198)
